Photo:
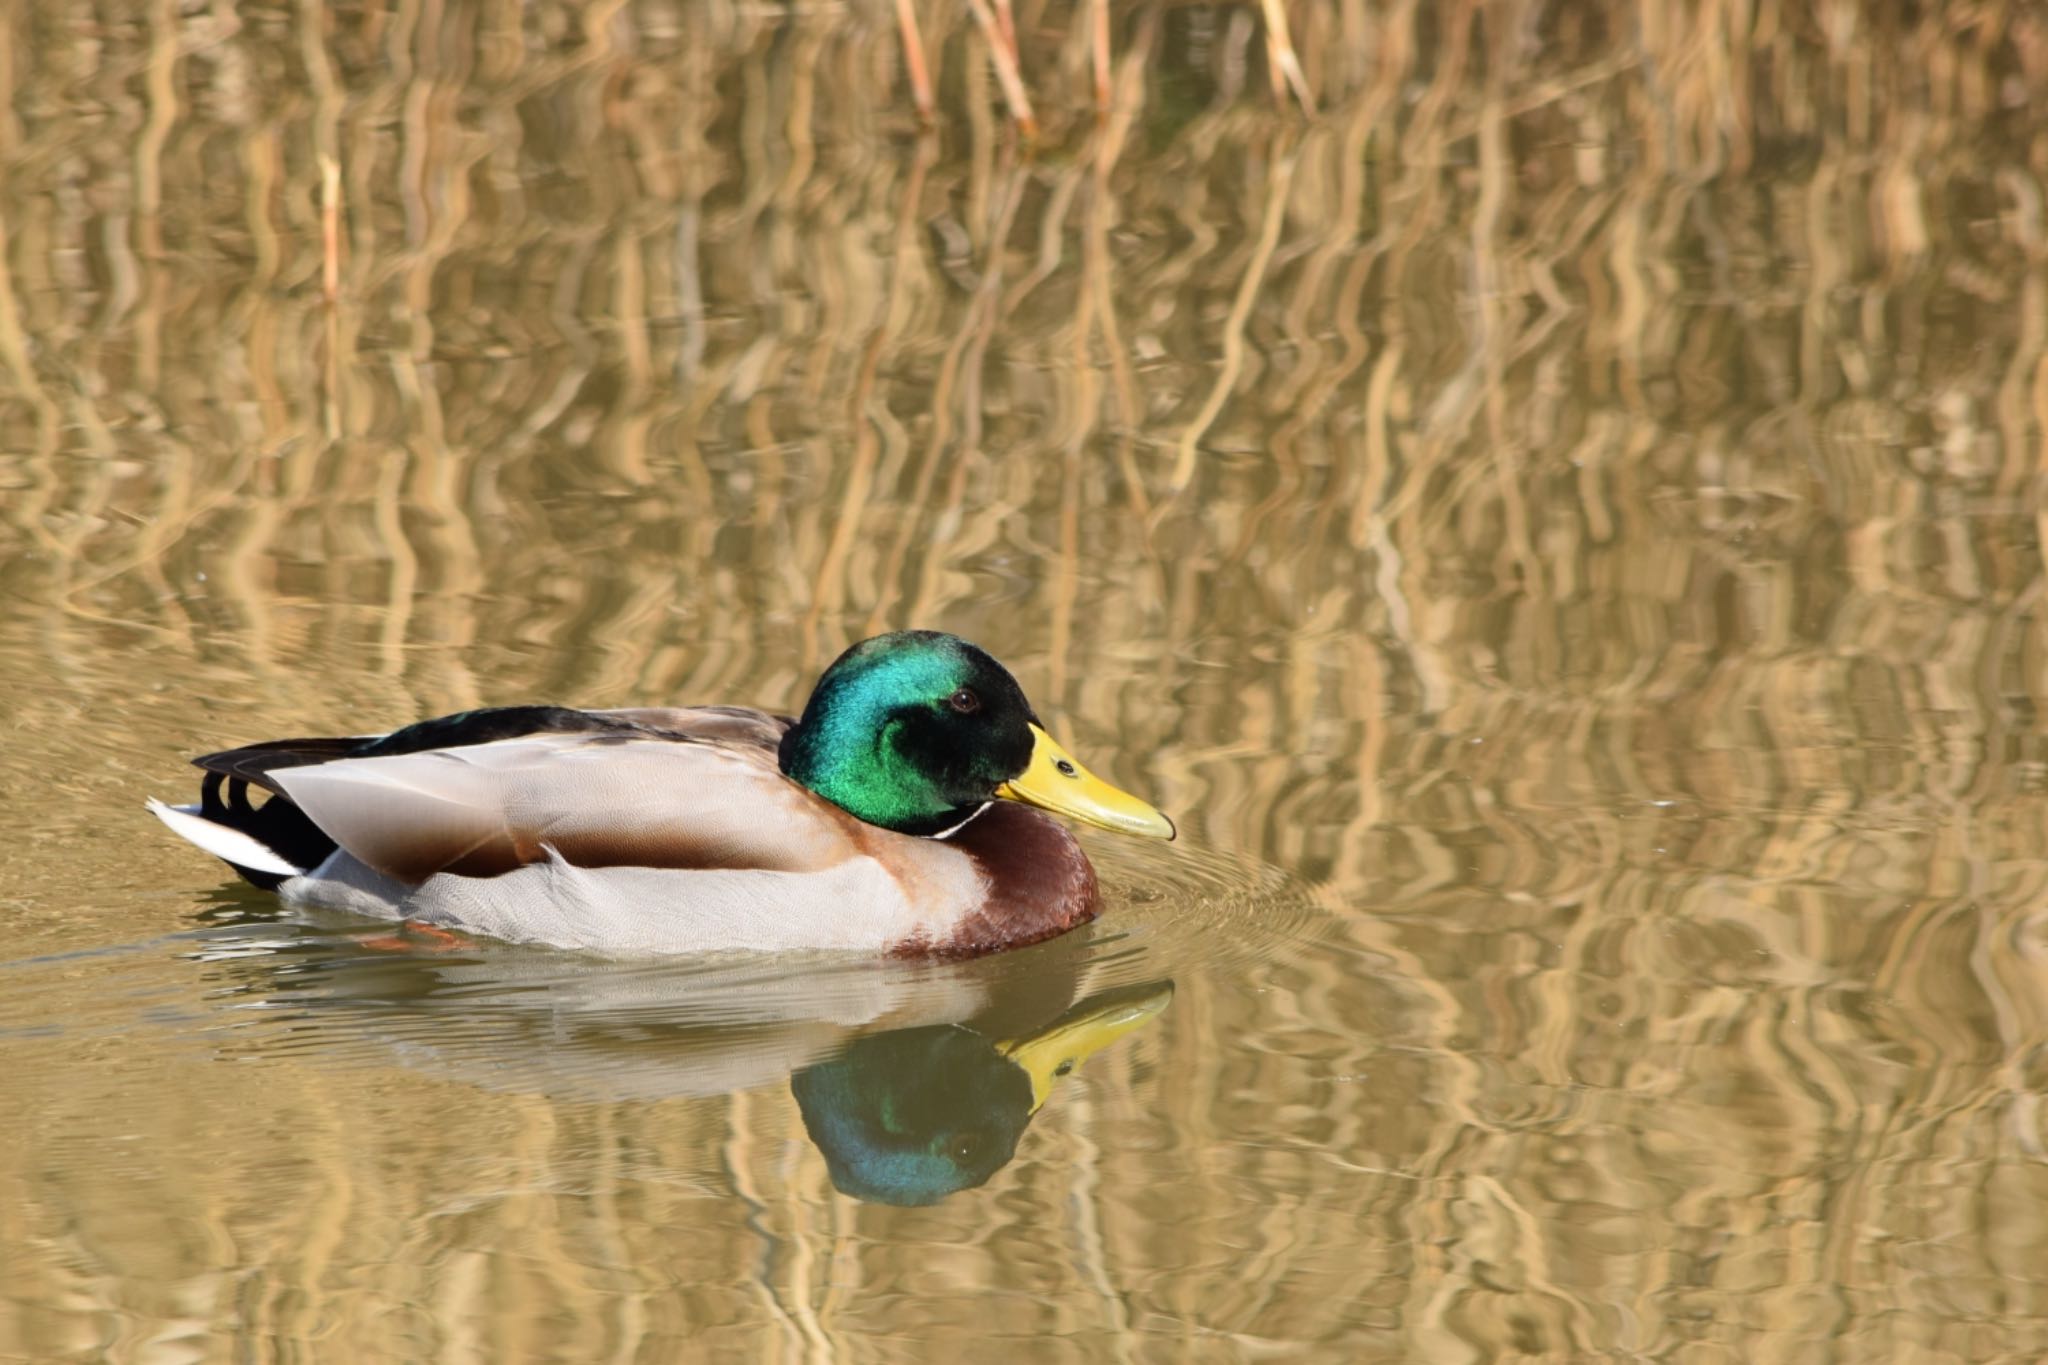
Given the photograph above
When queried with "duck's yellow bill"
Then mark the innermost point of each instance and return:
(1056, 782)
(1081, 1032)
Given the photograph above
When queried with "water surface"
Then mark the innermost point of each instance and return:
(1557, 523)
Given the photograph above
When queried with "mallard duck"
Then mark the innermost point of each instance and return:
(895, 815)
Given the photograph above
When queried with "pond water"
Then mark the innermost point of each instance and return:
(1557, 522)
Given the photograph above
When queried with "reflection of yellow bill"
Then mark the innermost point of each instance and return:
(1055, 781)
(1081, 1032)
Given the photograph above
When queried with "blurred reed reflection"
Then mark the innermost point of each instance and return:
(1572, 495)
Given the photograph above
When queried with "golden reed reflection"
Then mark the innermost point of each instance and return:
(1569, 487)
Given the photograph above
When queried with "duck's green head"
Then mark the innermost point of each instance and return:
(918, 730)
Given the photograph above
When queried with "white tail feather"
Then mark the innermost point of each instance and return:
(222, 842)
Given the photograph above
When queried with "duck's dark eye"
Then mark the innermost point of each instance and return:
(964, 701)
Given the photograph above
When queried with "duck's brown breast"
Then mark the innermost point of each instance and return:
(1040, 883)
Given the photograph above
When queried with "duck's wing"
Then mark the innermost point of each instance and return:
(679, 795)
(736, 725)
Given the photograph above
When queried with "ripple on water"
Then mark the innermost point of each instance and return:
(1190, 909)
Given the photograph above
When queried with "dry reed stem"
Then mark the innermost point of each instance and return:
(1283, 65)
(913, 60)
(1006, 29)
(1004, 59)
(1099, 53)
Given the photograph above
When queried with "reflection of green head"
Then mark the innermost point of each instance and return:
(913, 1115)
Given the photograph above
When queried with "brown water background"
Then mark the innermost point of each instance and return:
(1559, 523)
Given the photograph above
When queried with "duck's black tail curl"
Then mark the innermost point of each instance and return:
(277, 824)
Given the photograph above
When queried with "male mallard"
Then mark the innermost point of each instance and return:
(872, 822)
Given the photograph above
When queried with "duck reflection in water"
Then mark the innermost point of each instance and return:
(913, 1115)
(916, 1080)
